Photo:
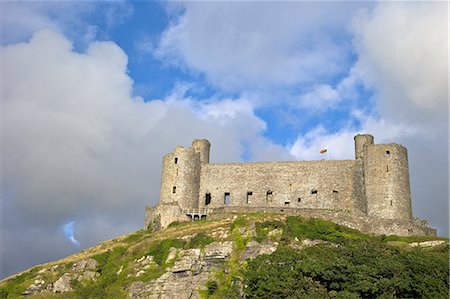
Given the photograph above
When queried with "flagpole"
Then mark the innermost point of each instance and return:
(328, 157)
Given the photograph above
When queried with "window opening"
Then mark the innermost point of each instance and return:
(174, 189)
(335, 195)
(387, 168)
(207, 199)
(286, 203)
(388, 153)
(249, 196)
(176, 160)
(269, 195)
(226, 198)
(391, 202)
(314, 191)
(299, 199)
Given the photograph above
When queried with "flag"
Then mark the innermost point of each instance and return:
(324, 150)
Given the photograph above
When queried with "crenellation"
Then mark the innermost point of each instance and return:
(372, 190)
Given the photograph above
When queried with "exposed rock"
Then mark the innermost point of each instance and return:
(83, 265)
(172, 254)
(120, 270)
(275, 233)
(35, 287)
(89, 275)
(254, 249)
(189, 261)
(427, 243)
(309, 243)
(63, 284)
(54, 268)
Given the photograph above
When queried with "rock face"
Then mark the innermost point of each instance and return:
(63, 284)
(84, 270)
(190, 272)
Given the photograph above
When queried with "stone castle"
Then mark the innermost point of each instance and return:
(370, 193)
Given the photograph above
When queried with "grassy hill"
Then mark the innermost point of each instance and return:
(251, 256)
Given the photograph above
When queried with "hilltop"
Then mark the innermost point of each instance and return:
(253, 256)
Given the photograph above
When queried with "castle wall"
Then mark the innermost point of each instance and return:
(370, 193)
(307, 184)
(387, 182)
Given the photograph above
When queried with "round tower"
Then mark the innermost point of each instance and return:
(202, 146)
(387, 182)
(362, 141)
(180, 179)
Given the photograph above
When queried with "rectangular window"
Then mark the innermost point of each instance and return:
(313, 191)
(269, 195)
(388, 153)
(174, 189)
(207, 199)
(176, 160)
(335, 195)
(387, 168)
(299, 199)
(286, 203)
(249, 196)
(226, 198)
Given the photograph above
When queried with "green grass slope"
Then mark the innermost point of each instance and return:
(336, 262)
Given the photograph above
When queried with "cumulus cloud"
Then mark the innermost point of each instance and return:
(240, 46)
(78, 145)
(21, 19)
(403, 54)
(321, 97)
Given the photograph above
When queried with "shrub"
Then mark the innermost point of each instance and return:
(354, 269)
(262, 228)
(200, 241)
(160, 251)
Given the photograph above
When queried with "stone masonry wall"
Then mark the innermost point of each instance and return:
(387, 182)
(308, 184)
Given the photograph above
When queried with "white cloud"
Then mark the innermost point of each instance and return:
(77, 145)
(320, 98)
(239, 45)
(403, 54)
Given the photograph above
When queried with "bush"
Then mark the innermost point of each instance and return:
(262, 228)
(354, 269)
(319, 229)
(200, 241)
(160, 251)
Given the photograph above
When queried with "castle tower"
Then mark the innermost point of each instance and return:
(362, 141)
(180, 179)
(386, 178)
(202, 146)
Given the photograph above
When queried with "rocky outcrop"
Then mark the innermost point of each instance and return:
(82, 271)
(190, 271)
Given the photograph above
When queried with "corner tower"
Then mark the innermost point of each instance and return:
(386, 176)
(180, 178)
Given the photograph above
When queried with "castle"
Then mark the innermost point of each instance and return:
(370, 193)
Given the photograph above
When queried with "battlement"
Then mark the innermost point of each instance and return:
(374, 186)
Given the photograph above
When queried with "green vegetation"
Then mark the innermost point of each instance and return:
(108, 284)
(263, 228)
(18, 284)
(160, 251)
(344, 264)
(227, 284)
(199, 241)
(317, 229)
(355, 269)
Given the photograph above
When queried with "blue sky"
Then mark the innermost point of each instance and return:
(95, 93)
